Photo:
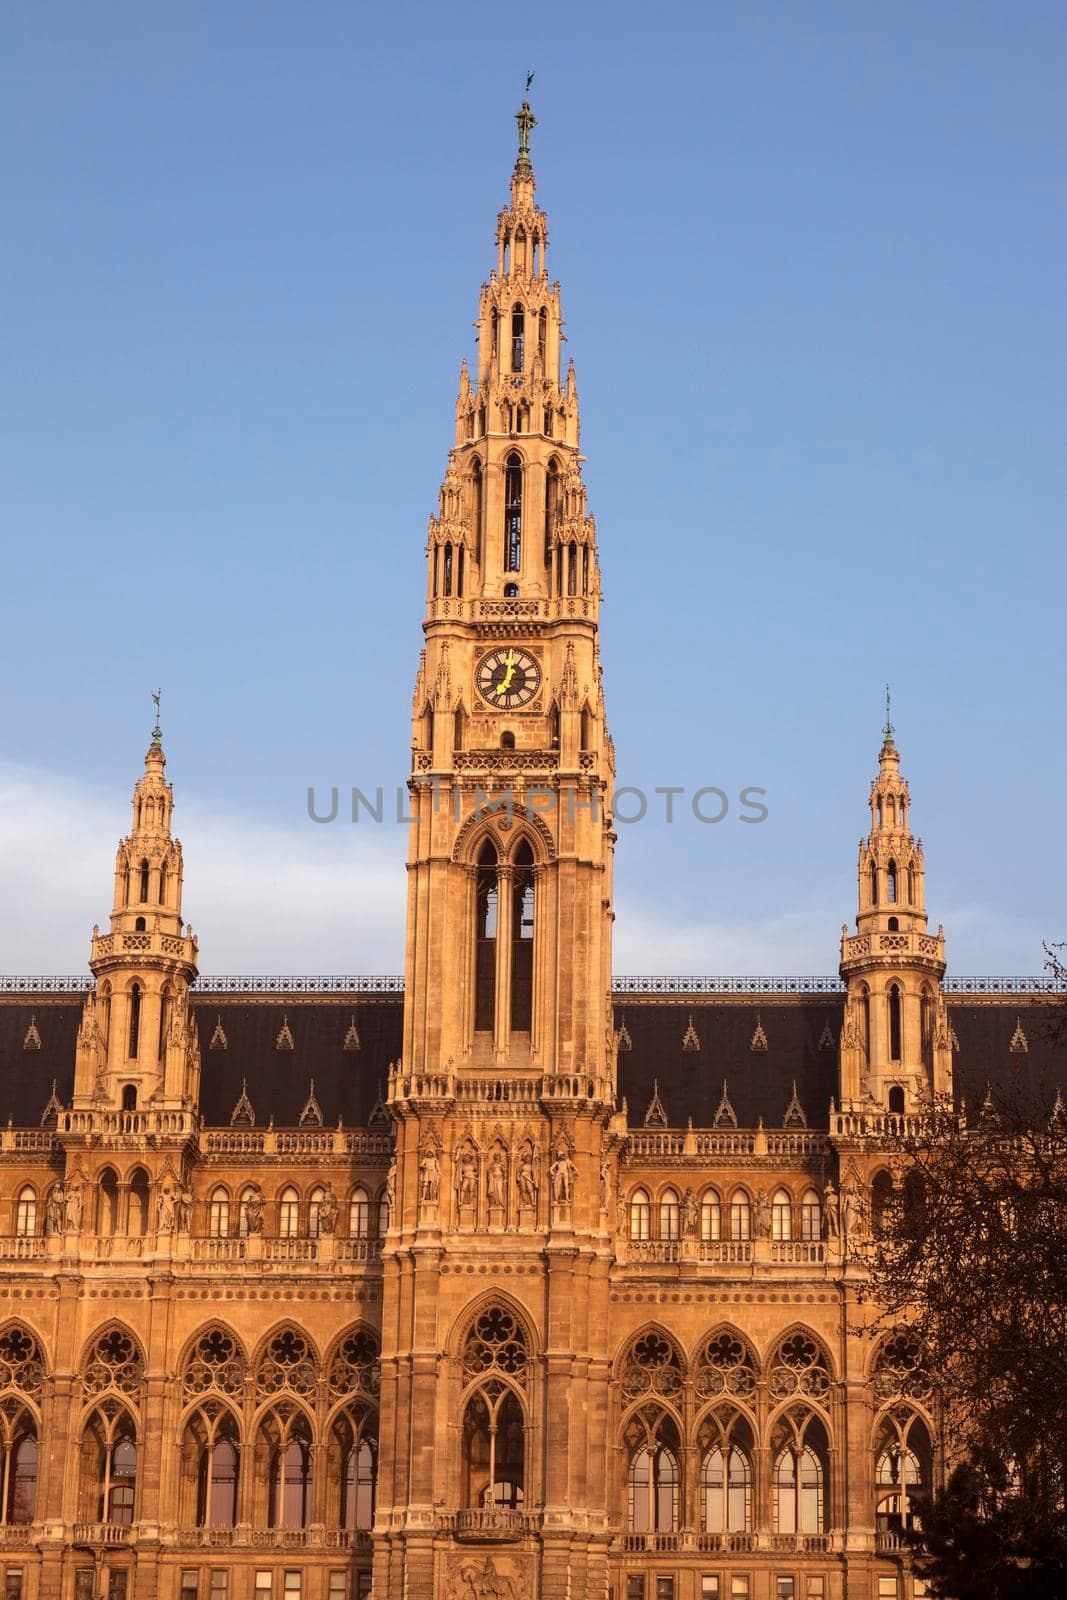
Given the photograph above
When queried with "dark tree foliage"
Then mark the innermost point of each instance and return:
(971, 1252)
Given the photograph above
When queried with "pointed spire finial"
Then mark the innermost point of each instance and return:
(157, 731)
(888, 730)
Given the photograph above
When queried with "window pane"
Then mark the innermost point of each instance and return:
(337, 1585)
(13, 1583)
(709, 1586)
(190, 1583)
(220, 1583)
(787, 1589)
(816, 1589)
(887, 1588)
(739, 1588)
(363, 1585)
(635, 1586)
(83, 1583)
(294, 1582)
(664, 1589)
(264, 1583)
(117, 1585)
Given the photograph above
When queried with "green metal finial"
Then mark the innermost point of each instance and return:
(888, 730)
(527, 123)
(157, 731)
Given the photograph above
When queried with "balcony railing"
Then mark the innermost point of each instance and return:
(109, 1533)
(491, 1524)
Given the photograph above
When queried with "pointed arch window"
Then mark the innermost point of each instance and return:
(518, 338)
(513, 513)
(799, 1475)
(359, 1214)
(107, 1204)
(135, 1022)
(542, 336)
(710, 1216)
(640, 1215)
(911, 886)
(138, 1204)
(903, 1470)
(653, 1479)
(163, 883)
(448, 570)
(891, 883)
(522, 936)
(355, 1439)
(551, 505)
(289, 1214)
(485, 939)
(289, 1479)
(218, 1471)
(670, 1216)
(726, 1490)
(144, 882)
(494, 1450)
(874, 884)
(572, 568)
(19, 1467)
(740, 1216)
(477, 501)
(810, 1216)
(219, 1214)
(894, 1023)
(316, 1201)
(781, 1215)
(26, 1212)
(109, 1467)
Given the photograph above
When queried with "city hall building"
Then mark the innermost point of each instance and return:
(510, 1279)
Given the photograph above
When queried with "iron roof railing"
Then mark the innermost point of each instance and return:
(627, 983)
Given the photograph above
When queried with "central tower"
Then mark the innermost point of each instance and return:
(509, 896)
(492, 1473)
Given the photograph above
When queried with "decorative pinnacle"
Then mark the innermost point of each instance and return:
(888, 730)
(157, 731)
(527, 123)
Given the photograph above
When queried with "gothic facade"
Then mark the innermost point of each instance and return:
(507, 1279)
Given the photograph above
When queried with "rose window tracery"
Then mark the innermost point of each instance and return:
(356, 1368)
(725, 1367)
(651, 1367)
(900, 1367)
(115, 1363)
(216, 1363)
(495, 1343)
(21, 1362)
(799, 1367)
(287, 1363)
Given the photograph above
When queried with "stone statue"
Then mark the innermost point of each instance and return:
(429, 1177)
(831, 1221)
(690, 1214)
(466, 1177)
(328, 1211)
(605, 1183)
(762, 1221)
(562, 1174)
(185, 1210)
(74, 1208)
(54, 1212)
(852, 1212)
(496, 1179)
(526, 1180)
(253, 1209)
(390, 1186)
(165, 1211)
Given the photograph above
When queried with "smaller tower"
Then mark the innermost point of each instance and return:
(894, 1043)
(137, 1042)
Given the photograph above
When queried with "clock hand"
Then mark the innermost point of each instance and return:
(505, 683)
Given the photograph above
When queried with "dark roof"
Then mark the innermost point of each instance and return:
(759, 1081)
(347, 1082)
(801, 1035)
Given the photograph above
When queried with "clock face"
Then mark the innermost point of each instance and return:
(508, 678)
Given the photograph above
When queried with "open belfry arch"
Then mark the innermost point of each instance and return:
(506, 1279)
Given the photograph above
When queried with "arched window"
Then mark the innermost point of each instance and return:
(137, 1225)
(740, 1216)
(485, 940)
(781, 1215)
(105, 1014)
(640, 1215)
(894, 1022)
(109, 1464)
(542, 335)
(129, 1097)
(710, 1216)
(903, 1469)
(135, 1021)
(926, 1025)
(911, 886)
(494, 321)
(289, 1214)
(289, 1481)
(669, 1215)
(799, 1455)
(218, 1472)
(551, 506)
(219, 1214)
(513, 514)
(359, 1214)
(249, 1210)
(448, 569)
(20, 1471)
(477, 501)
(874, 884)
(865, 1022)
(507, 740)
(894, 924)
(315, 1204)
(572, 568)
(356, 1443)
(163, 883)
(810, 1216)
(896, 1100)
(726, 1490)
(518, 338)
(26, 1212)
(107, 1203)
(383, 1214)
(881, 1199)
(891, 882)
(144, 882)
(522, 936)
(494, 1450)
(653, 1480)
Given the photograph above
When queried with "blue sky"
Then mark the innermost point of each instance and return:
(812, 260)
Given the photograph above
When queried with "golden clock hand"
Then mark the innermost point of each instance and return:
(505, 682)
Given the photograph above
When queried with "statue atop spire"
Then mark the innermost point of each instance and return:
(888, 731)
(527, 123)
(157, 731)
